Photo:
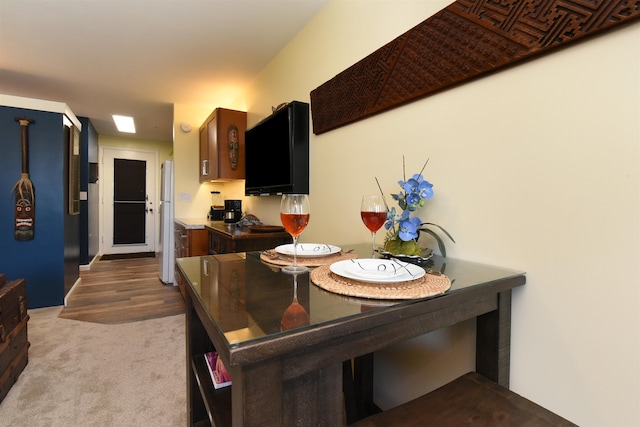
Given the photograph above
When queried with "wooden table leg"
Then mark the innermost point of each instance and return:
(363, 378)
(257, 395)
(348, 389)
(261, 398)
(493, 341)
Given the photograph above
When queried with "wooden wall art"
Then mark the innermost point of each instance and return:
(465, 40)
(25, 192)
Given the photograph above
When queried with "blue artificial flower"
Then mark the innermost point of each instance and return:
(425, 189)
(402, 227)
(413, 201)
(408, 228)
(413, 195)
(391, 219)
(411, 186)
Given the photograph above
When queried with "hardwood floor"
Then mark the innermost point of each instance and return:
(121, 291)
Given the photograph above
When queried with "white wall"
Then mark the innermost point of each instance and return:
(535, 168)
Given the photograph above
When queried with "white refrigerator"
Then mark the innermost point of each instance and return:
(166, 254)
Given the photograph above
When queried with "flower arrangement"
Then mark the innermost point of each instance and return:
(403, 229)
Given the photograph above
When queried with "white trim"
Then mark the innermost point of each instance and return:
(40, 105)
(73, 288)
(87, 267)
(127, 152)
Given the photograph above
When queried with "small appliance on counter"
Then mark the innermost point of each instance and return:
(232, 210)
(216, 212)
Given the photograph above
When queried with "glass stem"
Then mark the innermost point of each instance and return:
(295, 287)
(373, 244)
(295, 251)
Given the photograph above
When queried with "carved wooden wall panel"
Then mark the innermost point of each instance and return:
(467, 39)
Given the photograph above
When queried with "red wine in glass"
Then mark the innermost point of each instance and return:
(295, 315)
(294, 214)
(373, 220)
(373, 214)
(294, 223)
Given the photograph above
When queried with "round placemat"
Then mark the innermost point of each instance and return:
(272, 257)
(426, 286)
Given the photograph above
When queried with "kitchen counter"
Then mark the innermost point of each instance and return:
(226, 237)
(193, 223)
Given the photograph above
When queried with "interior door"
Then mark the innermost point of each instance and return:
(128, 201)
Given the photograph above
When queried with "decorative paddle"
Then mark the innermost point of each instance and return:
(25, 211)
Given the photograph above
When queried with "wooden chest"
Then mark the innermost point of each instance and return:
(14, 344)
(13, 305)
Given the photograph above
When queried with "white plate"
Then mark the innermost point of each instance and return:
(377, 270)
(309, 250)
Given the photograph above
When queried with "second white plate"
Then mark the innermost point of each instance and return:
(309, 249)
(377, 270)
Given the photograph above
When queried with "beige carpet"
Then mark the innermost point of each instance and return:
(89, 374)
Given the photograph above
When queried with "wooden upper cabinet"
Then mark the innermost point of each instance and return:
(222, 145)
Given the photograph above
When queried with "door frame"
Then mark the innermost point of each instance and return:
(151, 158)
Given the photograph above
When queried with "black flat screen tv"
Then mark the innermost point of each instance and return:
(277, 153)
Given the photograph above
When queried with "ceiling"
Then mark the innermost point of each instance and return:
(139, 57)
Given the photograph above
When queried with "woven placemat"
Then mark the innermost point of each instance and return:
(426, 286)
(272, 257)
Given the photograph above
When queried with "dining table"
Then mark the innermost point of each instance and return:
(288, 341)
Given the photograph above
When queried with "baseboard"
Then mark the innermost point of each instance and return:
(73, 288)
(87, 267)
(132, 255)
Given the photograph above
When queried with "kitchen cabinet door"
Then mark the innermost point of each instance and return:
(222, 146)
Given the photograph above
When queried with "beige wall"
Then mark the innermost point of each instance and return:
(534, 168)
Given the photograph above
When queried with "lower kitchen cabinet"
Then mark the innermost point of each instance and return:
(189, 241)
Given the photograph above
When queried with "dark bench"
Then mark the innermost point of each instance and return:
(471, 400)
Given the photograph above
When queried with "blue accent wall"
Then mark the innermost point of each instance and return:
(51, 259)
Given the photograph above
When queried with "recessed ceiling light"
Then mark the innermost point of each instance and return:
(124, 123)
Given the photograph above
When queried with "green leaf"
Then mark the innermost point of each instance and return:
(441, 246)
(438, 239)
(443, 230)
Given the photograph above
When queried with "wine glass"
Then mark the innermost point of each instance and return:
(373, 214)
(295, 315)
(294, 214)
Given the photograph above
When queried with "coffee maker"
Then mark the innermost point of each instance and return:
(232, 210)
(216, 212)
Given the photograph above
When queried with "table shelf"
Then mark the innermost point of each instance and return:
(216, 401)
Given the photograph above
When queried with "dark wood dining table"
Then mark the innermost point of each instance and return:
(235, 305)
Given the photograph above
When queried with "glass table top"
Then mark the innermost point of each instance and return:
(250, 300)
